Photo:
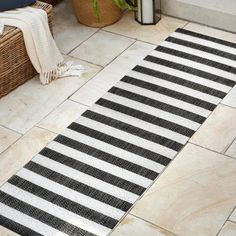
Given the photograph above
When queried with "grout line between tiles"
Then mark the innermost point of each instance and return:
(189, 141)
(185, 24)
(101, 70)
(232, 221)
(54, 108)
(70, 99)
(40, 127)
(227, 104)
(220, 153)
(83, 41)
(229, 146)
(120, 54)
(104, 66)
(174, 234)
(21, 135)
(66, 99)
(147, 189)
(226, 221)
(90, 62)
(11, 129)
(30, 157)
(140, 40)
(231, 214)
(84, 84)
(221, 102)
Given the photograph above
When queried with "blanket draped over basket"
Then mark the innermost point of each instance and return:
(40, 45)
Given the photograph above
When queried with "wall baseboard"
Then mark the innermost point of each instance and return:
(206, 16)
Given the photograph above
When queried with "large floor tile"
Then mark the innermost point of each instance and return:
(133, 226)
(29, 103)
(68, 32)
(62, 116)
(153, 33)
(202, 29)
(102, 82)
(218, 131)
(230, 98)
(7, 232)
(193, 196)
(232, 150)
(229, 229)
(102, 48)
(22, 151)
(233, 216)
(7, 137)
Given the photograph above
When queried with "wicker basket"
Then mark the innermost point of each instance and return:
(52, 2)
(15, 65)
(109, 12)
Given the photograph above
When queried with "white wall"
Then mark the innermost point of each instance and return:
(226, 6)
(216, 13)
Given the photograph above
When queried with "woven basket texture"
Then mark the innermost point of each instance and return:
(15, 65)
(52, 2)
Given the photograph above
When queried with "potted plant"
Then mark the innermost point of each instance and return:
(99, 13)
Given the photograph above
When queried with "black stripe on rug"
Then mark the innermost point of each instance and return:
(120, 143)
(41, 215)
(203, 48)
(104, 156)
(197, 59)
(190, 70)
(92, 171)
(133, 130)
(180, 81)
(157, 104)
(77, 186)
(170, 93)
(17, 228)
(206, 37)
(63, 202)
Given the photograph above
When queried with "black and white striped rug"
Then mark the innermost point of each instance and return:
(85, 180)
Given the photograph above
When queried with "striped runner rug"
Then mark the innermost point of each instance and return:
(89, 176)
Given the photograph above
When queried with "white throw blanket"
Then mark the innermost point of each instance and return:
(40, 45)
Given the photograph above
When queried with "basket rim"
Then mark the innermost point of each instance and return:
(10, 31)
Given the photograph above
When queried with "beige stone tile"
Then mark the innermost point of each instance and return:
(193, 196)
(134, 226)
(233, 216)
(232, 150)
(202, 29)
(7, 137)
(149, 33)
(229, 229)
(230, 98)
(218, 131)
(62, 116)
(103, 81)
(7, 232)
(102, 48)
(31, 102)
(68, 33)
(23, 151)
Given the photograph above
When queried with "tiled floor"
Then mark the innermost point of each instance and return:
(196, 195)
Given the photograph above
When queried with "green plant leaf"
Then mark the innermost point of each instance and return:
(96, 9)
